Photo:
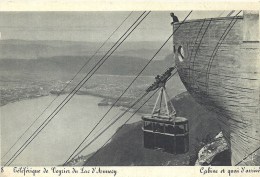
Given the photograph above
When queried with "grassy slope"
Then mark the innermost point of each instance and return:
(126, 147)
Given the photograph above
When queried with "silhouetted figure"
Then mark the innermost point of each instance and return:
(174, 18)
(157, 78)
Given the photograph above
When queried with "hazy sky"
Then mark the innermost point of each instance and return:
(89, 26)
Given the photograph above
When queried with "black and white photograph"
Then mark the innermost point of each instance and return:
(130, 88)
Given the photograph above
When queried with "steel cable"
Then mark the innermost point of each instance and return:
(129, 85)
(86, 63)
(82, 81)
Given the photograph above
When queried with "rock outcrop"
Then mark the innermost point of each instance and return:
(209, 153)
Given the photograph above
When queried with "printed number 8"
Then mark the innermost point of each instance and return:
(2, 169)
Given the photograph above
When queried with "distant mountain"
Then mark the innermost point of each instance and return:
(22, 49)
(115, 65)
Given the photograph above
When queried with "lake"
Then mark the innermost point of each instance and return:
(61, 136)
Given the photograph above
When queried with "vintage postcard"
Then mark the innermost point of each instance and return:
(129, 88)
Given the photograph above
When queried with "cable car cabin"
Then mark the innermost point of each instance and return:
(170, 135)
(162, 129)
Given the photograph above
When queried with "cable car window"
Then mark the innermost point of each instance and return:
(159, 127)
(148, 125)
(168, 128)
(178, 129)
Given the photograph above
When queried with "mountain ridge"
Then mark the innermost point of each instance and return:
(23, 49)
(115, 65)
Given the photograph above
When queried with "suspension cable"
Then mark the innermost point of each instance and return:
(137, 97)
(222, 38)
(77, 90)
(200, 72)
(197, 49)
(121, 126)
(112, 123)
(207, 78)
(248, 156)
(93, 136)
(229, 27)
(125, 121)
(128, 87)
(125, 35)
(86, 63)
(119, 98)
(194, 47)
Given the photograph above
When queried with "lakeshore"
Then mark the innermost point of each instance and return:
(60, 137)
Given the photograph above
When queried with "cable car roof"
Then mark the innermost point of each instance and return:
(165, 119)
